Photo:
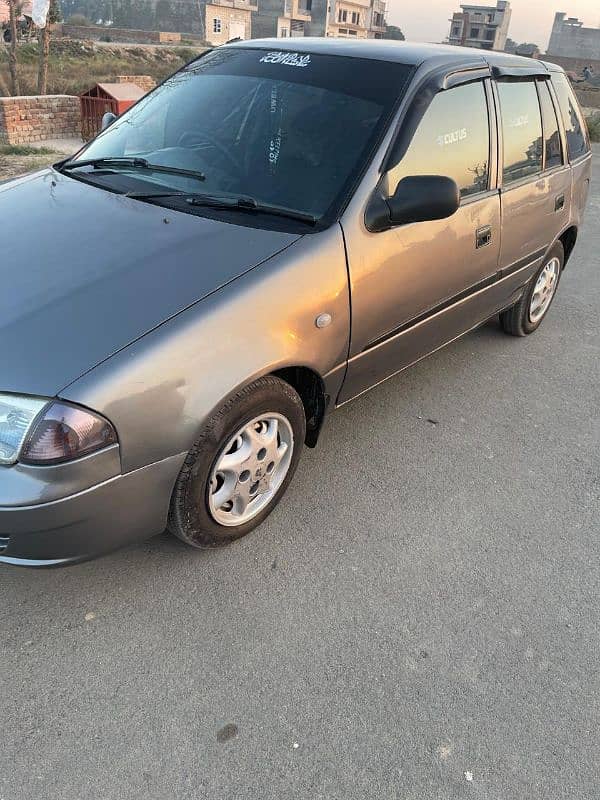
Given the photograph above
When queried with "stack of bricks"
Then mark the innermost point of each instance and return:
(25, 120)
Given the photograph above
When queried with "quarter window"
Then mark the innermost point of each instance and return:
(453, 139)
(522, 130)
(577, 139)
(552, 143)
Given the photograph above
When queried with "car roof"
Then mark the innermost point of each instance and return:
(410, 53)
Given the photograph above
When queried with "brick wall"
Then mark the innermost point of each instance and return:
(32, 119)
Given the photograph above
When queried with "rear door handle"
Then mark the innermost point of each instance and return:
(559, 203)
(483, 237)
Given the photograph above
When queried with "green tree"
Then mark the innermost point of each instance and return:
(393, 32)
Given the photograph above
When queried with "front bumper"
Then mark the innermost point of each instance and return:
(118, 511)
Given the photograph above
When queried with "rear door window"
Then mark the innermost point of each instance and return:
(521, 130)
(577, 138)
(552, 143)
(453, 139)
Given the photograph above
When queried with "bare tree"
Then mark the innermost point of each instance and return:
(14, 11)
(44, 46)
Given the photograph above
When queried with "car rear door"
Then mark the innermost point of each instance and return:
(418, 286)
(534, 174)
(577, 143)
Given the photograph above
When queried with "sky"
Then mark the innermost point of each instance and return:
(427, 20)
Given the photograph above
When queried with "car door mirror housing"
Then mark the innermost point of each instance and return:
(107, 120)
(419, 198)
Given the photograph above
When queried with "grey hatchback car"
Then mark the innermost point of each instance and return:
(278, 227)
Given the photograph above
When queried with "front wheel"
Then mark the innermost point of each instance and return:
(526, 316)
(241, 465)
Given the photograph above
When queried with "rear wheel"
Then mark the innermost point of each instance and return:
(240, 467)
(526, 316)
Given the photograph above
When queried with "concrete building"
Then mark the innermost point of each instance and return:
(223, 20)
(282, 18)
(485, 27)
(570, 38)
(358, 19)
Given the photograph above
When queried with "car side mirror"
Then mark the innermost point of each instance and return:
(419, 198)
(107, 120)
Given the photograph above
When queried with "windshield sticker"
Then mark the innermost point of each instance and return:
(289, 59)
(275, 143)
(454, 137)
(519, 122)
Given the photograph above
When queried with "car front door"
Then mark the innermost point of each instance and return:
(418, 286)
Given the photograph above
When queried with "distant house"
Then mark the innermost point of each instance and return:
(26, 10)
(223, 20)
(349, 19)
(572, 39)
(485, 27)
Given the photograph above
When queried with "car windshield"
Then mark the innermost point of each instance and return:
(290, 130)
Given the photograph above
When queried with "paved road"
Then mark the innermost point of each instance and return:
(417, 621)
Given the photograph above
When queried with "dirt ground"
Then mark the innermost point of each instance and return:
(11, 166)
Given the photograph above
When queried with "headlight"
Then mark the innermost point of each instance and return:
(42, 432)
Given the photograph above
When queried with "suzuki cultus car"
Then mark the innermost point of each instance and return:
(277, 228)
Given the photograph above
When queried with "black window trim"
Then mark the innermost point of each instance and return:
(531, 78)
(559, 167)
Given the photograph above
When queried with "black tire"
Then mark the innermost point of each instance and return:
(516, 320)
(189, 516)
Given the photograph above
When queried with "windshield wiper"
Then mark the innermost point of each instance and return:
(249, 204)
(133, 162)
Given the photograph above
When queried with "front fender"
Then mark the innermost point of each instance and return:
(159, 390)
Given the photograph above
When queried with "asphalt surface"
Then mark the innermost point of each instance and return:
(418, 620)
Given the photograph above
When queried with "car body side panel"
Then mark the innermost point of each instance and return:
(399, 275)
(159, 390)
(420, 340)
(530, 219)
(582, 175)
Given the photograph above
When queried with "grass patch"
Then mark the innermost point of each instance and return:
(75, 67)
(25, 150)
(594, 127)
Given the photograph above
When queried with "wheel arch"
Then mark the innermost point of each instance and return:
(311, 389)
(568, 240)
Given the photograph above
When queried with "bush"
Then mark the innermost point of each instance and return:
(80, 20)
(594, 127)
(24, 150)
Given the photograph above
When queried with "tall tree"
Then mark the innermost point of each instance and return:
(14, 12)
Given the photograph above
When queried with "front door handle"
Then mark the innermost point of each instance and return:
(559, 202)
(483, 237)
